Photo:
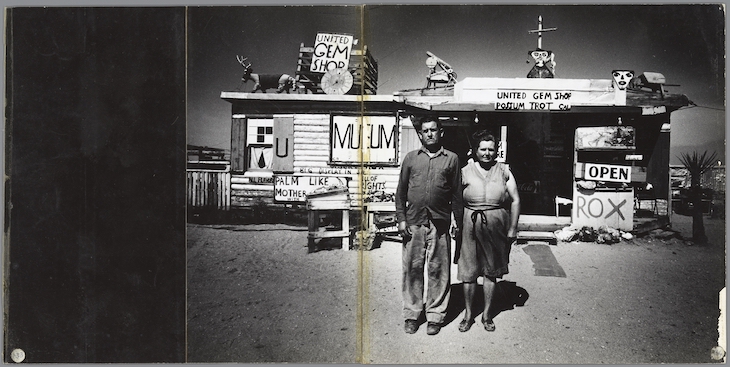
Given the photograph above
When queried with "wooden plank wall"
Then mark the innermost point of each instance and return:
(312, 152)
(238, 144)
(364, 70)
(209, 189)
(253, 189)
(311, 158)
(311, 142)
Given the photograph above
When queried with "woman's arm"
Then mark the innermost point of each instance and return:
(514, 211)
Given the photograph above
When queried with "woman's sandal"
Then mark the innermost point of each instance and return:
(489, 325)
(465, 325)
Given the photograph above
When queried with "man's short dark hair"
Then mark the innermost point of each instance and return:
(480, 136)
(419, 120)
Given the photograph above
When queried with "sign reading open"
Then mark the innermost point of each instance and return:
(607, 172)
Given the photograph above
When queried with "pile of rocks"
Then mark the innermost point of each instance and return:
(607, 235)
(604, 235)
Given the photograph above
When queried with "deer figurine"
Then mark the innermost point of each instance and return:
(263, 82)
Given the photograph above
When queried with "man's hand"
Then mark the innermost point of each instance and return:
(454, 229)
(403, 229)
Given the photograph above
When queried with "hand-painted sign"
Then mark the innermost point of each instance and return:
(532, 100)
(260, 180)
(369, 140)
(535, 93)
(653, 110)
(605, 137)
(296, 188)
(378, 188)
(283, 144)
(502, 146)
(599, 208)
(607, 172)
(331, 51)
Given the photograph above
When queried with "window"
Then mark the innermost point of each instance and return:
(259, 144)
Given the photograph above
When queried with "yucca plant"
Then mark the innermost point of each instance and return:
(697, 165)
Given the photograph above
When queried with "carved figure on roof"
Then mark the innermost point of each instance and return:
(544, 64)
(439, 72)
(544, 59)
(263, 82)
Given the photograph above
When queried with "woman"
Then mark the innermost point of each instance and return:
(488, 227)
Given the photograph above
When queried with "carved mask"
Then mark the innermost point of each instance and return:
(541, 56)
(622, 78)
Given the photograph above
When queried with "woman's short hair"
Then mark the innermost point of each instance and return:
(419, 120)
(480, 136)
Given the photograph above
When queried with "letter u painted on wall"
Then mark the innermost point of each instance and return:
(283, 144)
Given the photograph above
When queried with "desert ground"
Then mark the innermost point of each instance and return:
(256, 294)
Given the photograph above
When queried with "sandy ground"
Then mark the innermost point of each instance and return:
(255, 294)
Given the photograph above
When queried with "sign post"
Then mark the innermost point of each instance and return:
(611, 200)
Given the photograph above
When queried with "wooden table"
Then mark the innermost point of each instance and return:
(328, 203)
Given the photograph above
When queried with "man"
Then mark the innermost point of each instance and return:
(428, 190)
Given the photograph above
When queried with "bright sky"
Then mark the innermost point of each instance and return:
(684, 42)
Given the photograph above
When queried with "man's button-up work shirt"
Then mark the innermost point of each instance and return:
(428, 187)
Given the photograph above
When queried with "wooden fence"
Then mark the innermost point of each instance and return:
(209, 189)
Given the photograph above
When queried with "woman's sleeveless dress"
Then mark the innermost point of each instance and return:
(485, 247)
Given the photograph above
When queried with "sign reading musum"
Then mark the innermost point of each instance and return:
(370, 140)
(331, 51)
(296, 188)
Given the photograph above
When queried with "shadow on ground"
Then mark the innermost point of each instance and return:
(507, 296)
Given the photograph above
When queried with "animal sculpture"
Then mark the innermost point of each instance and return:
(264, 82)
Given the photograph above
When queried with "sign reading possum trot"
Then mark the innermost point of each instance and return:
(331, 51)
(296, 188)
(532, 100)
(371, 140)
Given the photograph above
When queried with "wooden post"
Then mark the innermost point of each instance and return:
(346, 228)
(312, 226)
(238, 144)
(539, 31)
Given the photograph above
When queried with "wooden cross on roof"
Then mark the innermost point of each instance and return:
(539, 31)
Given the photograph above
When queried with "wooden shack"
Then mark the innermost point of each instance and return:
(283, 146)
